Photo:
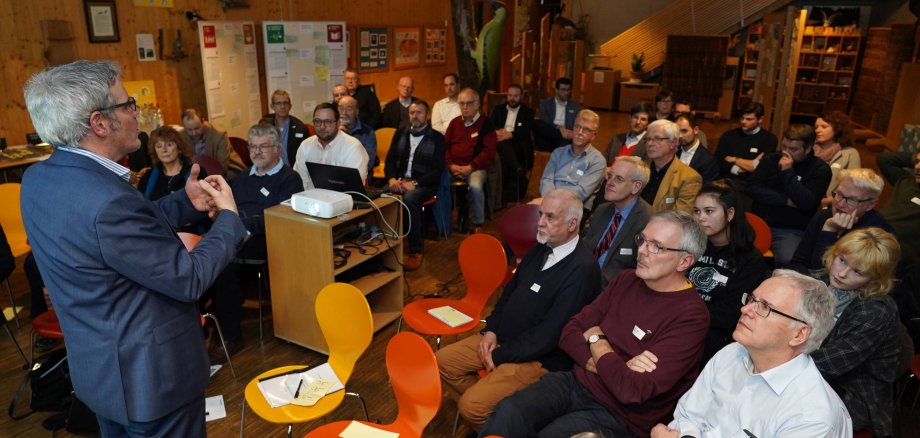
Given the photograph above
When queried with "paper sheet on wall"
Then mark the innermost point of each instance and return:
(255, 109)
(234, 89)
(322, 73)
(308, 106)
(306, 81)
(145, 48)
(212, 73)
(277, 64)
(215, 105)
(281, 82)
(252, 82)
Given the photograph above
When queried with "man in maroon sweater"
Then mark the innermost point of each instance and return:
(648, 316)
(471, 145)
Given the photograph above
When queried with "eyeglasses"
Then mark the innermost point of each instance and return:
(466, 103)
(321, 122)
(579, 128)
(653, 246)
(850, 201)
(658, 139)
(261, 147)
(763, 309)
(131, 104)
(282, 102)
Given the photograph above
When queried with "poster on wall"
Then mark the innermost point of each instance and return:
(407, 46)
(230, 68)
(373, 49)
(435, 45)
(304, 58)
(153, 3)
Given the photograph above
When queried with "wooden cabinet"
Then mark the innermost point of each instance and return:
(631, 93)
(599, 88)
(301, 262)
(824, 77)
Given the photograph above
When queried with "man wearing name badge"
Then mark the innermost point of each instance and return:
(123, 284)
(580, 167)
(329, 146)
(766, 384)
(672, 184)
(557, 116)
(650, 314)
(520, 342)
(350, 122)
(740, 149)
(613, 226)
(469, 150)
(692, 151)
(292, 130)
(211, 141)
(514, 122)
(268, 182)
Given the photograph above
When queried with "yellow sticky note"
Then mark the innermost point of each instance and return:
(311, 392)
(322, 73)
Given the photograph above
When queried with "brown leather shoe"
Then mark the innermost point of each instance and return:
(413, 261)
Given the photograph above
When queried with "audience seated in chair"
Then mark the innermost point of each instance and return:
(206, 139)
(470, 148)
(329, 146)
(692, 151)
(350, 123)
(171, 157)
(578, 167)
(684, 105)
(740, 149)
(557, 116)
(766, 384)
(396, 111)
(292, 130)
(834, 145)
(520, 342)
(672, 184)
(447, 108)
(368, 104)
(513, 122)
(632, 142)
(650, 315)
(902, 170)
(664, 106)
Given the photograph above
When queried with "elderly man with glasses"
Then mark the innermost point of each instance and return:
(292, 130)
(852, 207)
(329, 146)
(579, 167)
(672, 184)
(649, 315)
(268, 182)
(766, 384)
(471, 146)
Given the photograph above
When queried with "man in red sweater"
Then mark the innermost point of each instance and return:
(648, 316)
(471, 145)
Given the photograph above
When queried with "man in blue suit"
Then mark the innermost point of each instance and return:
(557, 116)
(123, 285)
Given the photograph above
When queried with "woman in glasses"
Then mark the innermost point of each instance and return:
(861, 356)
(171, 157)
(833, 144)
(731, 264)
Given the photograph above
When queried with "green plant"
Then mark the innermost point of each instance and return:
(638, 62)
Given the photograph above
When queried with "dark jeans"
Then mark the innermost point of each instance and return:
(227, 291)
(556, 406)
(547, 137)
(414, 200)
(515, 163)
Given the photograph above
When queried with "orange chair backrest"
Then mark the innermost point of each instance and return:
(762, 234)
(518, 228)
(189, 239)
(11, 216)
(416, 382)
(483, 263)
(346, 322)
(384, 137)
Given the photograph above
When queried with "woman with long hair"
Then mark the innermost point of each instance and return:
(860, 357)
(171, 157)
(834, 145)
(731, 264)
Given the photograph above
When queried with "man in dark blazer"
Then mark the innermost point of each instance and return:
(624, 214)
(692, 151)
(123, 284)
(366, 95)
(634, 140)
(293, 131)
(396, 111)
(557, 116)
(513, 122)
(419, 142)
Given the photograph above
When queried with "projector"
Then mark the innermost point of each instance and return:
(321, 203)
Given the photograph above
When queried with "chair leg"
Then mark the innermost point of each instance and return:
(437, 344)
(9, 292)
(261, 278)
(399, 324)
(290, 429)
(363, 404)
(453, 432)
(242, 416)
(220, 335)
(31, 348)
(25, 363)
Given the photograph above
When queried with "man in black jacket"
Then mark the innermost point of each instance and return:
(520, 342)
(413, 168)
(368, 104)
(513, 122)
(293, 131)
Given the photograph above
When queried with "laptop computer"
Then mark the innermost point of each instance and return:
(341, 179)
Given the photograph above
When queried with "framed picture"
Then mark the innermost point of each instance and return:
(372, 48)
(101, 21)
(407, 47)
(435, 45)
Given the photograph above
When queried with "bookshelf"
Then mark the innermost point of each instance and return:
(825, 74)
(748, 70)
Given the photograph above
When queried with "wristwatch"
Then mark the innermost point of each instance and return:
(594, 338)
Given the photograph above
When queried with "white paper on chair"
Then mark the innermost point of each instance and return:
(323, 371)
(450, 316)
(279, 391)
(361, 430)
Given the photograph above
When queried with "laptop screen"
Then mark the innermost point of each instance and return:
(336, 178)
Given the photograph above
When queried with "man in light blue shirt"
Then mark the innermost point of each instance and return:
(766, 384)
(578, 167)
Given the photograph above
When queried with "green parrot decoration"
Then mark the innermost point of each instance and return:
(489, 43)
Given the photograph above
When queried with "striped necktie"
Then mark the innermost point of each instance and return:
(605, 242)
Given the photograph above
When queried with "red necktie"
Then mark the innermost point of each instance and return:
(604, 245)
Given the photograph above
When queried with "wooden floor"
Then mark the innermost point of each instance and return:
(439, 274)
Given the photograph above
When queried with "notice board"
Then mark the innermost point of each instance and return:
(230, 65)
(306, 59)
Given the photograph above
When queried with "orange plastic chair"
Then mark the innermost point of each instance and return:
(483, 263)
(416, 382)
(346, 322)
(384, 138)
(15, 230)
(762, 234)
(241, 146)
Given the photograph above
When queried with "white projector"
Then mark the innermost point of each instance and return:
(321, 203)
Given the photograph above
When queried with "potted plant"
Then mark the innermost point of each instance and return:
(638, 67)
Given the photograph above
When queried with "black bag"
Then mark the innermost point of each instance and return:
(49, 381)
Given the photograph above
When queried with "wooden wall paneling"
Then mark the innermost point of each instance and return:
(695, 67)
(886, 48)
(906, 108)
(771, 44)
(792, 42)
(180, 84)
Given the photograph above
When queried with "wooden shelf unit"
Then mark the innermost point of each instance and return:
(826, 70)
(300, 261)
(747, 71)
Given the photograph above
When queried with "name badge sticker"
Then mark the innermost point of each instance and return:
(298, 134)
(915, 200)
(580, 172)
(638, 333)
(535, 287)
(264, 192)
(625, 251)
(836, 166)
(754, 150)
(520, 124)
(720, 278)
(669, 200)
(474, 135)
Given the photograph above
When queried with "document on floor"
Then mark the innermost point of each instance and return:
(450, 316)
(361, 430)
(214, 408)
